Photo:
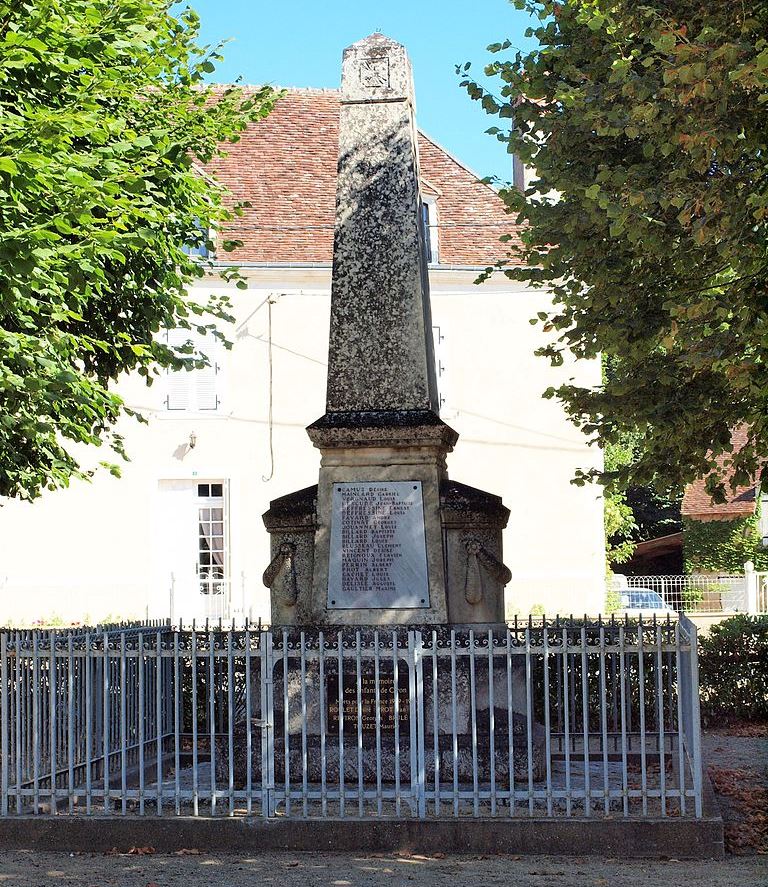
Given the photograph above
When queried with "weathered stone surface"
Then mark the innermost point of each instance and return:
(312, 708)
(380, 355)
(424, 465)
(296, 511)
(473, 521)
(464, 506)
(383, 767)
(384, 428)
(291, 522)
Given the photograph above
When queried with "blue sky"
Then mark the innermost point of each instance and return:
(299, 43)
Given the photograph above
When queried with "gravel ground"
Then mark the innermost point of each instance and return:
(738, 769)
(733, 753)
(25, 869)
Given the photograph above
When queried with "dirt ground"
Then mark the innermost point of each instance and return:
(737, 765)
(25, 869)
(743, 760)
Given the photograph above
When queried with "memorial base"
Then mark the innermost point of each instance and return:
(482, 727)
(379, 761)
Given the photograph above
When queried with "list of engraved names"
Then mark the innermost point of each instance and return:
(378, 552)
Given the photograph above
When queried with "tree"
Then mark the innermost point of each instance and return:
(618, 518)
(104, 128)
(656, 513)
(653, 509)
(646, 124)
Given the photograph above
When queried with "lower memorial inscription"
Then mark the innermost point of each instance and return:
(386, 685)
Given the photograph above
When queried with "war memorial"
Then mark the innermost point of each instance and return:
(386, 538)
(388, 705)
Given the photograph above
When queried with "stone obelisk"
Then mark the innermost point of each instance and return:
(385, 537)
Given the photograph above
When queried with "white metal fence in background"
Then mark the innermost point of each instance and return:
(80, 599)
(761, 593)
(560, 718)
(695, 593)
(701, 593)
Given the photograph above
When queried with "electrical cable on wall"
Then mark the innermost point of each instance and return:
(270, 303)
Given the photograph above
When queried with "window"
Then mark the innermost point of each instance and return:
(764, 519)
(429, 227)
(212, 541)
(194, 390)
(199, 247)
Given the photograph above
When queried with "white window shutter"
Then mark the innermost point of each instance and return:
(196, 390)
(177, 389)
(443, 372)
(205, 381)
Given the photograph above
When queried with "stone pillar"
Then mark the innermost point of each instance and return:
(380, 351)
(381, 426)
(394, 540)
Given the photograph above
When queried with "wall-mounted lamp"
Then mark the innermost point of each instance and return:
(192, 440)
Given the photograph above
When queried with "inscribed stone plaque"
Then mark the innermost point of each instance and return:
(386, 685)
(378, 547)
(374, 72)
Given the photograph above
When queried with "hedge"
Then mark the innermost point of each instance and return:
(733, 671)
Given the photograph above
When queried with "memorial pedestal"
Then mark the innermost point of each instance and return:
(385, 538)
(479, 727)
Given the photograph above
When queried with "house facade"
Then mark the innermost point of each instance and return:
(719, 537)
(181, 533)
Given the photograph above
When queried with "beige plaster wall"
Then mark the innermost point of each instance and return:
(100, 549)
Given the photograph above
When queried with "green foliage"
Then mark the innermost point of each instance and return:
(617, 515)
(612, 599)
(104, 123)
(733, 671)
(619, 524)
(646, 125)
(636, 513)
(723, 546)
(656, 513)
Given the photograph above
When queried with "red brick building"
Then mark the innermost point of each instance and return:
(285, 167)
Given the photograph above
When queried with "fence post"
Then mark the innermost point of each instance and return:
(4, 744)
(695, 712)
(750, 583)
(267, 726)
(416, 692)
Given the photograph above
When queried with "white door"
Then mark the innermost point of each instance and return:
(213, 549)
(192, 539)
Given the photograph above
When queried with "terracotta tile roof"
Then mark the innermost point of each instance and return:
(740, 502)
(285, 166)
(660, 545)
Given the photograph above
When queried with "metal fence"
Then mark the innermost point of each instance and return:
(761, 593)
(693, 593)
(560, 718)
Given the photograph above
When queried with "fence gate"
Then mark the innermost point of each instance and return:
(559, 718)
